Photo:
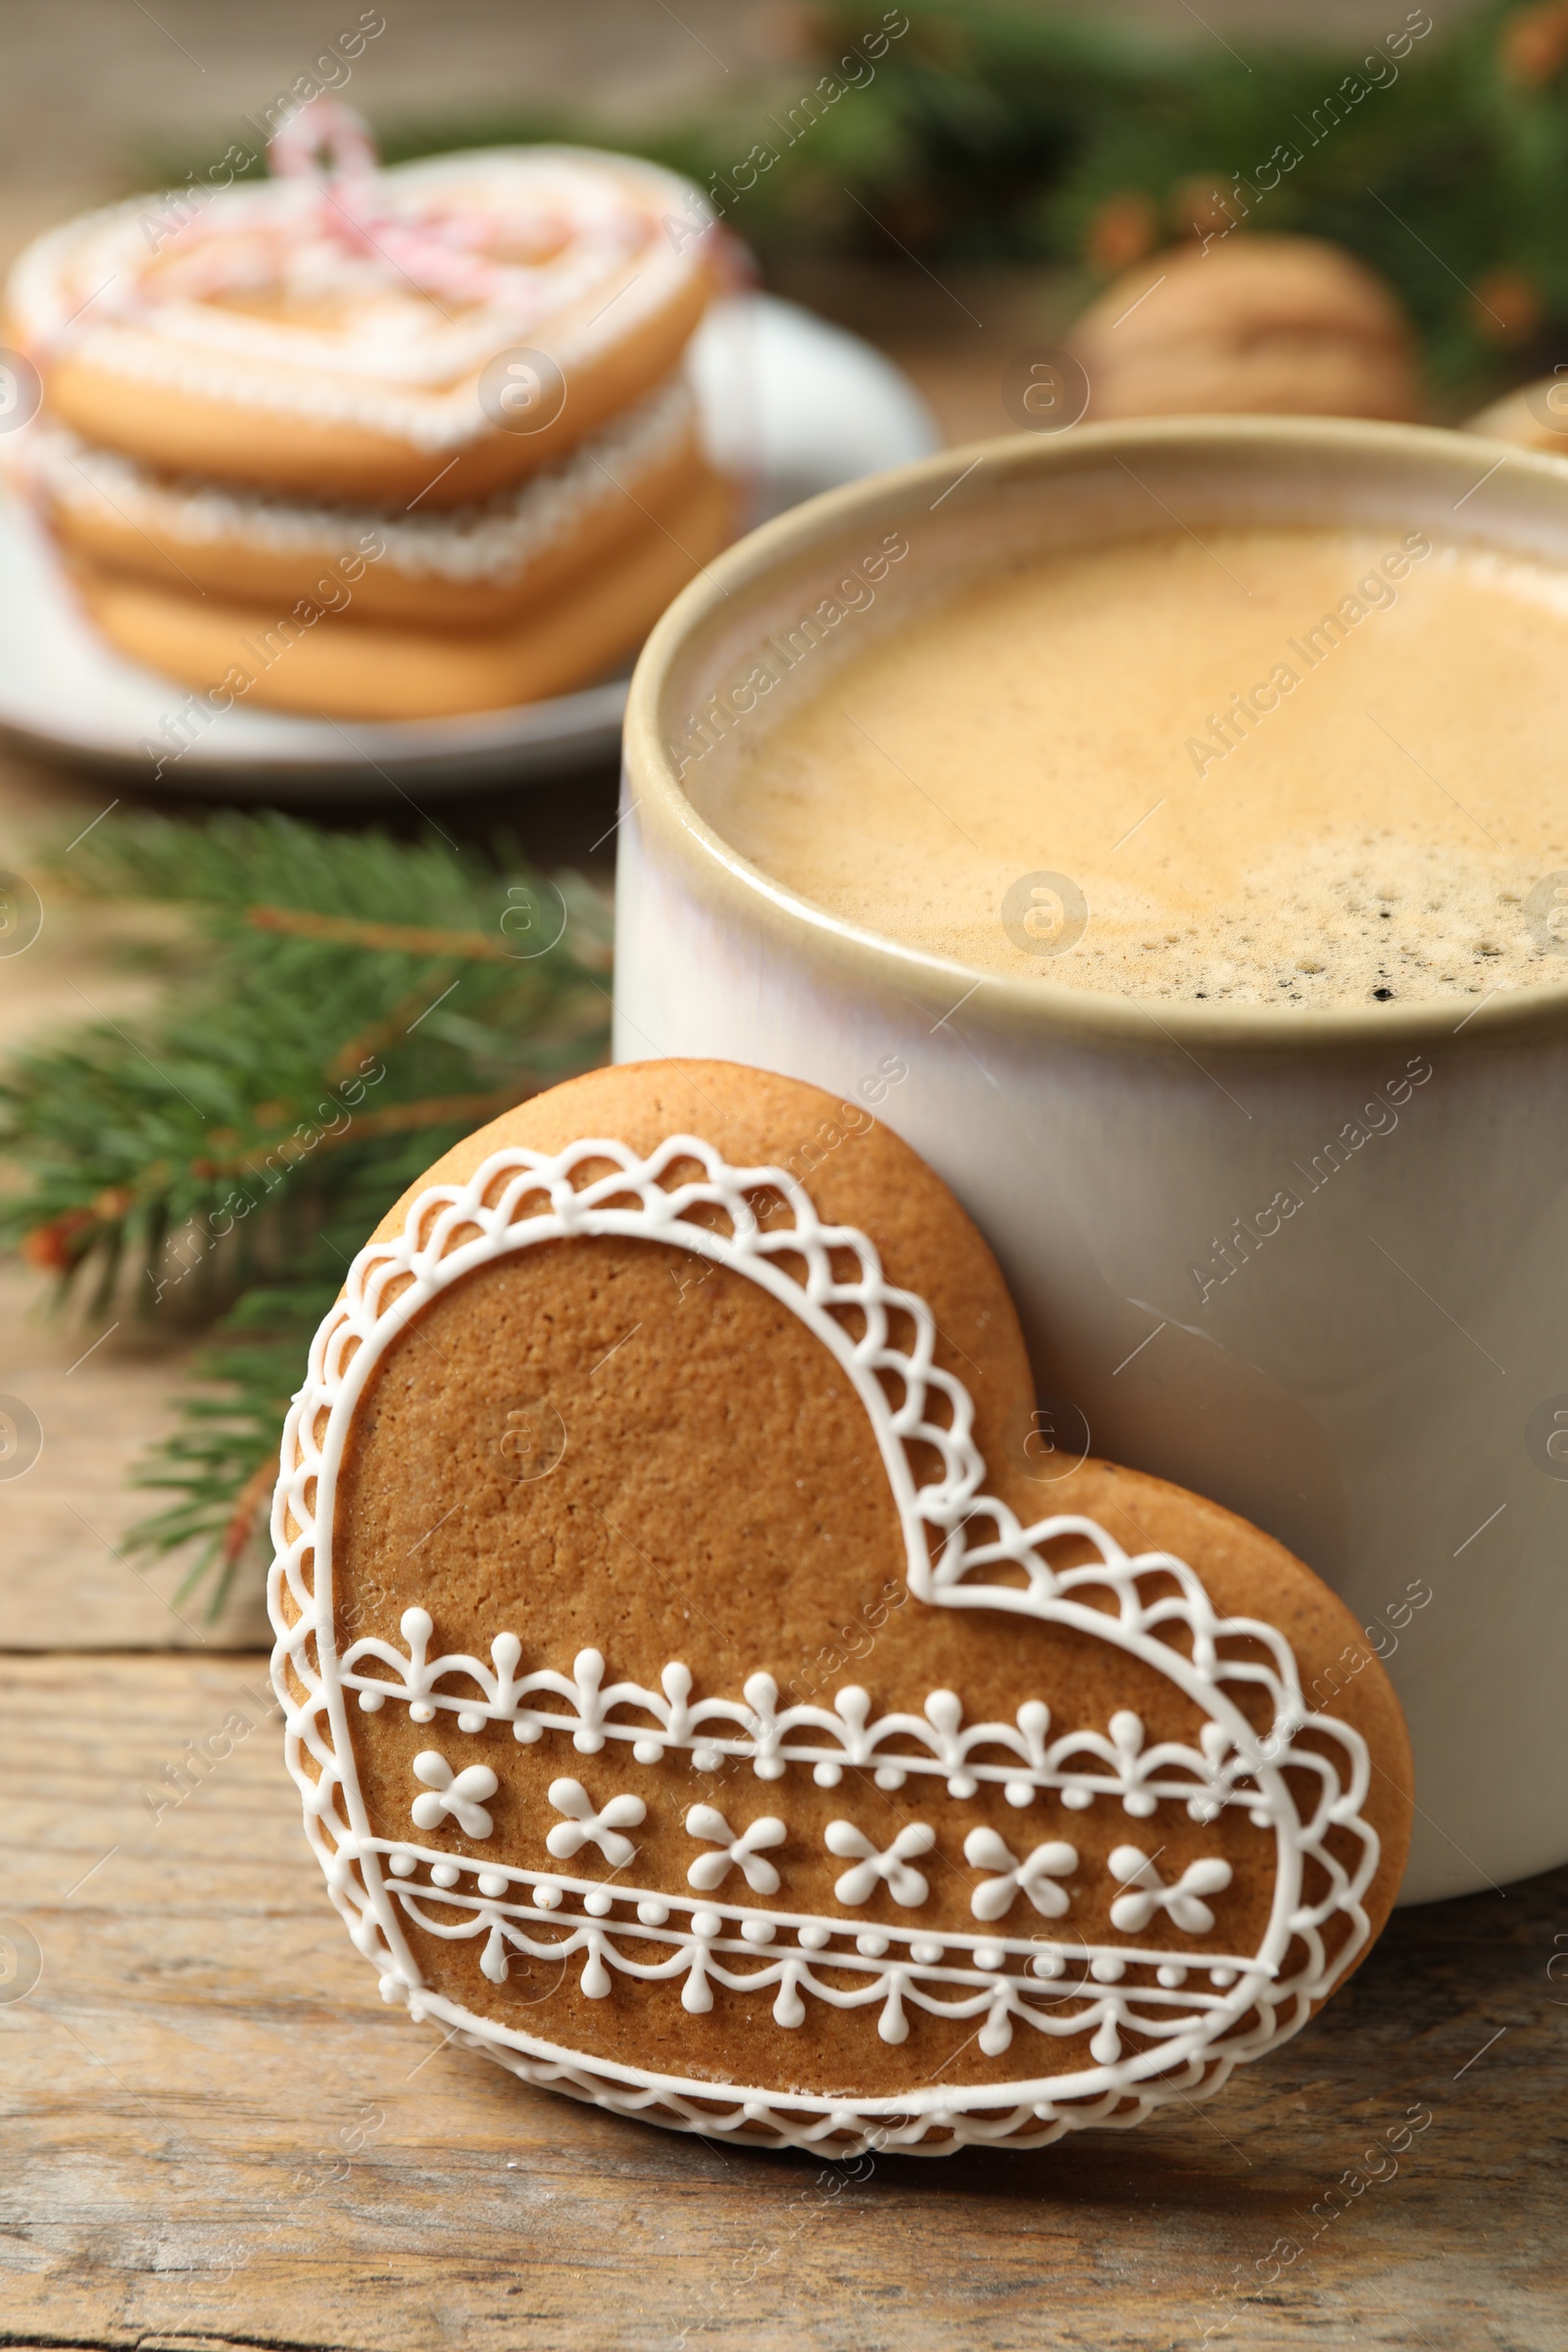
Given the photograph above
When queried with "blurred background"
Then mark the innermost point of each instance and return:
(1024, 153)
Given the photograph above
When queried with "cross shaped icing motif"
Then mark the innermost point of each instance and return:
(583, 1826)
(1035, 1875)
(459, 1793)
(1146, 1892)
(710, 1870)
(873, 1864)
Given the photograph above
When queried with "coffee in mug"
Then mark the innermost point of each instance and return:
(1298, 768)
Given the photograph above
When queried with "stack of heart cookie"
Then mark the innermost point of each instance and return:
(619, 1445)
(371, 443)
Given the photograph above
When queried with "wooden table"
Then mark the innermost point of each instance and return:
(216, 2135)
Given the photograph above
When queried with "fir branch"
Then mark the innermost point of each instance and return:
(358, 1005)
(350, 931)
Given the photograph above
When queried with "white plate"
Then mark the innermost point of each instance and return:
(790, 404)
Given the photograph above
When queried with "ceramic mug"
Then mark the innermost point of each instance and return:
(1312, 1264)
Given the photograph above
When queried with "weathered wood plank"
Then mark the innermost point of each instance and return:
(217, 2134)
(68, 1581)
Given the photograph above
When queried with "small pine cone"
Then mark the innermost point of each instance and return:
(1534, 44)
(1199, 203)
(1508, 307)
(49, 1246)
(1123, 229)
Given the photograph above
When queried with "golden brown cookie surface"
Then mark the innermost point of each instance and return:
(699, 1712)
(471, 571)
(322, 658)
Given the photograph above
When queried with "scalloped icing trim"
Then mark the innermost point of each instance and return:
(496, 541)
(954, 1537)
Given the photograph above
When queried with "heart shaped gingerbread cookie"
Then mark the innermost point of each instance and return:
(707, 1701)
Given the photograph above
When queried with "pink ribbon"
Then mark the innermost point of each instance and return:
(322, 139)
(442, 251)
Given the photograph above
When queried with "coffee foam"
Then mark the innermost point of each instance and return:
(1289, 767)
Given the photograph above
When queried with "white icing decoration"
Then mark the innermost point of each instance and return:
(495, 543)
(1035, 1875)
(1132, 1912)
(585, 1825)
(460, 1794)
(399, 363)
(984, 1970)
(875, 1865)
(1306, 1774)
(1205, 1777)
(745, 1851)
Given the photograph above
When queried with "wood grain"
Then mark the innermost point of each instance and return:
(69, 1582)
(217, 2135)
(102, 1395)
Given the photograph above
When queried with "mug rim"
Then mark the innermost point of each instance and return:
(1043, 1006)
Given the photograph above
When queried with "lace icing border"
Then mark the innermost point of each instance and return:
(954, 1535)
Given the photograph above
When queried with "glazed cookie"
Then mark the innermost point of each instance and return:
(453, 568)
(431, 331)
(702, 1705)
(321, 655)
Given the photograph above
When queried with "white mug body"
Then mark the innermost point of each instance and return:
(1313, 1263)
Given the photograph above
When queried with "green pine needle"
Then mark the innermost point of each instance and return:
(348, 1006)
